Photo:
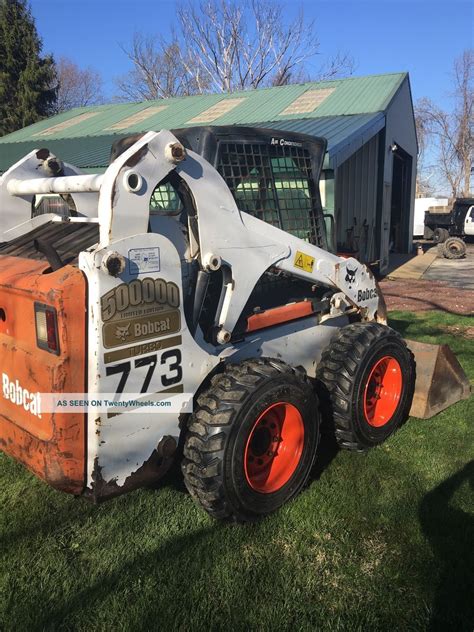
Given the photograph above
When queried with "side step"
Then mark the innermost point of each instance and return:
(440, 379)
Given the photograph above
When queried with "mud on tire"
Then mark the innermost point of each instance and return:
(250, 412)
(366, 378)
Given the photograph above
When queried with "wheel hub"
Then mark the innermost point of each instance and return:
(274, 447)
(383, 391)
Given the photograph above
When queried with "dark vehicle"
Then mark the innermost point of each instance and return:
(459, 222)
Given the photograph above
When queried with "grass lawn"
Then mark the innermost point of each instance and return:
(382, 541)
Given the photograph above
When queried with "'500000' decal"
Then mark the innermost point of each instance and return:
(140, 310)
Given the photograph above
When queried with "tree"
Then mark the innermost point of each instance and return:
(27, 91)
(223, 46)
(450, 135)
(76, 87)
(158, 71)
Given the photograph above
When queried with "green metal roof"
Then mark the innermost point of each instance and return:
(345, 134)
(83, 136)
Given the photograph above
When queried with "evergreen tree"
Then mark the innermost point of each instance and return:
(27, 80)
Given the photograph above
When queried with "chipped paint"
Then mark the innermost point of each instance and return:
(149, 473)
(51, 446)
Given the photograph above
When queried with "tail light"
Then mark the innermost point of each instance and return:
(46, 328)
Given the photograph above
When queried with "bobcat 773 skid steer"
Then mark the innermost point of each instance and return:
(198, 264)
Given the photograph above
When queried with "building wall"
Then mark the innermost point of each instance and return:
(399, 130)
(363, 186)
(356, 201)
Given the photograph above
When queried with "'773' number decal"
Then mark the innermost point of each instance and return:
(170, 359)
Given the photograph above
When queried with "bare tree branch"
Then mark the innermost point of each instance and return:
(341, 65)
(158, 71)
(450, 135)
(76, 87)
(224, 46)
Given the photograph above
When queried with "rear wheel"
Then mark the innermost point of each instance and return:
(252, 440)
(454, 248)
(367, 375)
(427, 233)
(440, 235)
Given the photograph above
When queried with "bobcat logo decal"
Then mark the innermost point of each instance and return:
(350, 275)
(121, 333)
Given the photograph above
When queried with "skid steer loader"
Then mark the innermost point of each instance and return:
(196, 266)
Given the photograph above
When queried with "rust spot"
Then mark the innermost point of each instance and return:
(55, 448)
(149, 473)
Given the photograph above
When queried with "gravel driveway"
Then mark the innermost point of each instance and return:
(446, 285)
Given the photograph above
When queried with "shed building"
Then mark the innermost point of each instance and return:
(369, 172)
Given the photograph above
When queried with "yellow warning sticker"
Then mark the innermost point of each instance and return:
(303, 261)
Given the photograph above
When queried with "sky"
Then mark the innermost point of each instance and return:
(419, 36)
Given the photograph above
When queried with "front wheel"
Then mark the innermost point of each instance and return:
(252, 440)
(367, 377)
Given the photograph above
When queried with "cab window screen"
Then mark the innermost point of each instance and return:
(165, 200)
(273, 183)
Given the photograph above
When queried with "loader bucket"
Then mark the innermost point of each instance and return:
(440, 379)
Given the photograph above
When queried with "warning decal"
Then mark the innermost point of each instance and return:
(303, 261)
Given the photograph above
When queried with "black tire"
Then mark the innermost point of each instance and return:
(440, 235)
(221, 432)
(427, 233)
(349, 368)
(454, 248)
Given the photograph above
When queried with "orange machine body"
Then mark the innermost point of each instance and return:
(52, 445)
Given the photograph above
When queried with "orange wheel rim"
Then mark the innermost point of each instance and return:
(274, 448)
(383, 391)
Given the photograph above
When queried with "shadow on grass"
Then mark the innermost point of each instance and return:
(161, 613)
(327, 452)
(450, 532)
(399, 324)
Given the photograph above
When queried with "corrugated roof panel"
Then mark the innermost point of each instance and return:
(373, 94)
(308, 101)
(59, 127)
(216, 111)
(270, 101)
(137, 118)
(345, 134)
(355, 95)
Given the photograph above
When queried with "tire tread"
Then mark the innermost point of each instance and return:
(337, 369)
(210, 425)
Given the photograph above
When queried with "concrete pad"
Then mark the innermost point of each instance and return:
(415, 267)
(455, 272)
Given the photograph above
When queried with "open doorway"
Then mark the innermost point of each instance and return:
(400, 204)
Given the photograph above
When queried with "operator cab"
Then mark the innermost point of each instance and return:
(273, 175)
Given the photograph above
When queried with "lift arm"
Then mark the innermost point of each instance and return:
(227, 237)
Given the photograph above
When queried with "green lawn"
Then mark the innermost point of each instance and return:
(383, 541)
